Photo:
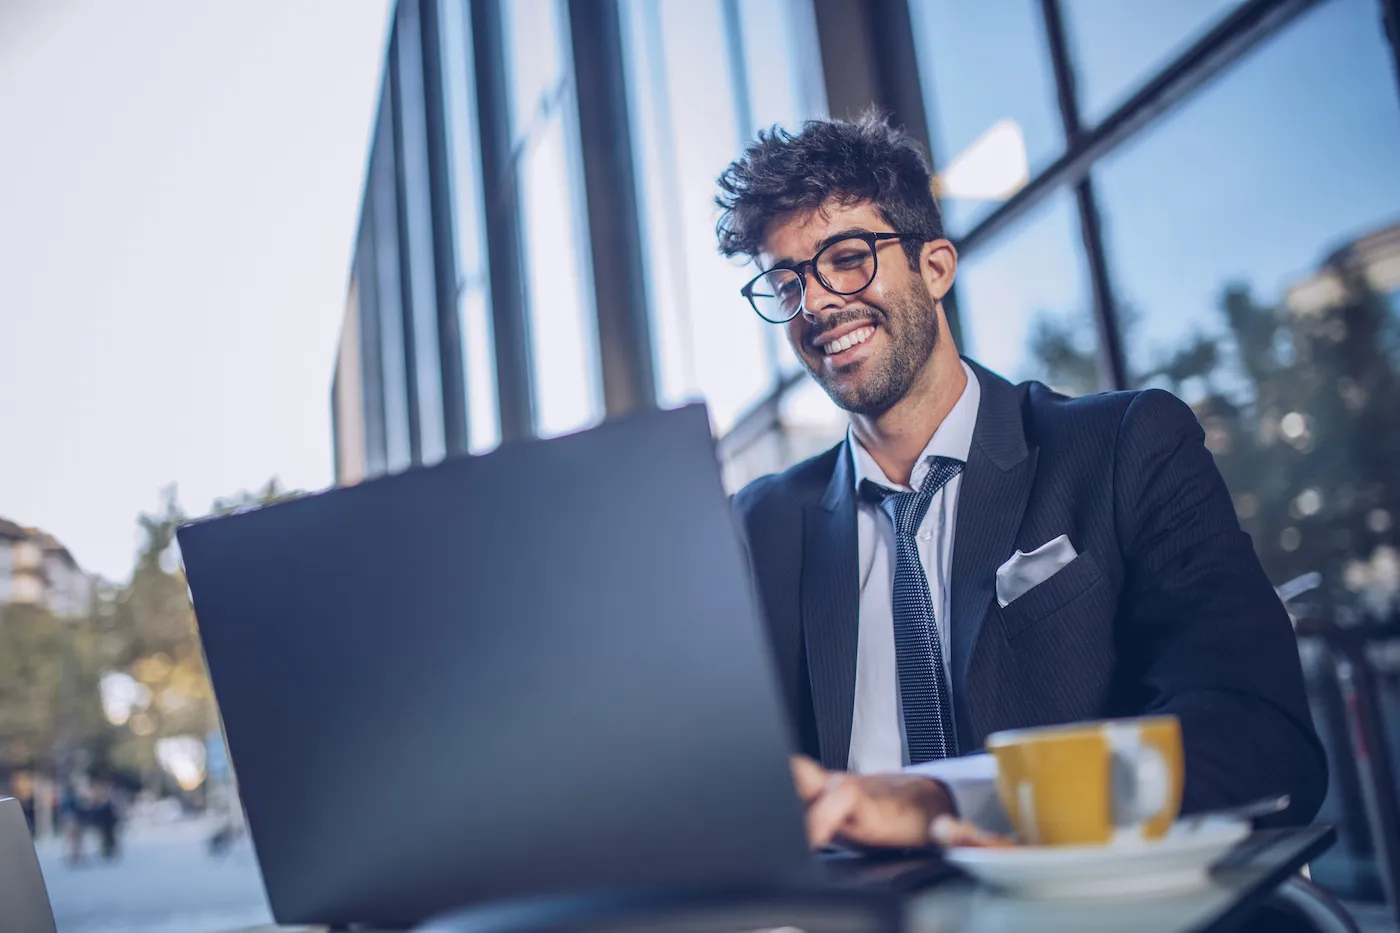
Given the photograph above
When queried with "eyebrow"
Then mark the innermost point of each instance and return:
(788, 263)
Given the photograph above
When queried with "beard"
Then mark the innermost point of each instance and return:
(910, 324)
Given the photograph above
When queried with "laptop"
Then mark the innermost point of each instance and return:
(539, 670)
(24, 899)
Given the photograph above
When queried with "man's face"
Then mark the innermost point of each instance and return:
(893, 320)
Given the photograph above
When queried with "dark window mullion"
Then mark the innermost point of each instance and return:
(454, 399)
(405, 243)
(501, 208)
(1251, 23)
(371, 345)
(1113, 372)
(610, 190)
(1390, 23)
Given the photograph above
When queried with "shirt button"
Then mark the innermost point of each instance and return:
(925, 535)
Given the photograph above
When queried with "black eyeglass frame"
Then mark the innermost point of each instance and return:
(870, 238)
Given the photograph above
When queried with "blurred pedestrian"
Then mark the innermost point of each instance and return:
(105, 819)
(72, 817)
(22, 787)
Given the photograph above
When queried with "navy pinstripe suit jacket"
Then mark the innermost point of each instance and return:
(1165, 610)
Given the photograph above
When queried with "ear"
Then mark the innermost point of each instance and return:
(938, 264)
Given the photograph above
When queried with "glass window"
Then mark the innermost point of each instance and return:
(365, 288)
(808, 423)
(659, 200)
(564, 358)
(1117, 46)
(1025, 302)
(990, 92)
(811, 421)
(536, 59)
(418, 222)
(383, 209)
(689, 123)
(1255, 233)
(348, 396)
(780, 88)
(464, 175)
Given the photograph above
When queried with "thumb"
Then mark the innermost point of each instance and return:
(810, 778)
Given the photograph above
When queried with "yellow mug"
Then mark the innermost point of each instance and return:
(1091, 783)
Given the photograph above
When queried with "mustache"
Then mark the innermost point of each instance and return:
(815, 334)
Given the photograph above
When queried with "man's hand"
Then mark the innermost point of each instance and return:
(868, 810)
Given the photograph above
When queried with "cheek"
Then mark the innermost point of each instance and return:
(882, 295)
(796, 329)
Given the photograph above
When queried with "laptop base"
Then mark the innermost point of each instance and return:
(900, 873)
(812, 908)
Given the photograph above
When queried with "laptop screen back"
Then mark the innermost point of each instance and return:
(538, 670)
(24, 898)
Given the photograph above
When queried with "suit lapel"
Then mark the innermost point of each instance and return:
(831, 609)
(996, 486)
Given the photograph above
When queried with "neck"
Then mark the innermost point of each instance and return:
(896, 438)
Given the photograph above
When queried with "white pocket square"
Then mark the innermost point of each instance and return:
(1027, 569)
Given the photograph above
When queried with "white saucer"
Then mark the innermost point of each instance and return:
(1177, 862)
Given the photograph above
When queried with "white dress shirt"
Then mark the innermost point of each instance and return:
(878, 743)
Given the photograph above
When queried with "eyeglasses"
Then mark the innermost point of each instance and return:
(843, 266)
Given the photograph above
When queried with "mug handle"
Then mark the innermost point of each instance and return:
(1145, 789)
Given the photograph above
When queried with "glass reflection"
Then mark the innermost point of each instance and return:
(1258, 242)
(1117, 46)
(382, 210)
(418, 229)
(1024, 302)
(690, 123)
(564, 366)
(990, 94)
(474, 300)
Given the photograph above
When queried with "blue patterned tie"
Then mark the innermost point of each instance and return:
(923, 687)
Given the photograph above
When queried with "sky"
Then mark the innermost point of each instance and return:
(179, 184)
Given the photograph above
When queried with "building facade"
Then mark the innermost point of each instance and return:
(36, 570)
(1200, 196)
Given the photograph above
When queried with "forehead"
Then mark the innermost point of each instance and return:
(796, 236)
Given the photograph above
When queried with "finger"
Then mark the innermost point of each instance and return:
(809, 777)
(897, 811)
(830, 813)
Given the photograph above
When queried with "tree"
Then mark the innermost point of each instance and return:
(49, 668)
(160, 645)
(1302, 412)
(1066, 364)
(270, 492)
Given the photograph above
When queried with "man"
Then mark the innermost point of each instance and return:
(903, 629)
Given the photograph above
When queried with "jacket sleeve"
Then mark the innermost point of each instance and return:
(1201, 627)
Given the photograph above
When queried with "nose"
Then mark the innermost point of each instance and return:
(817, 300)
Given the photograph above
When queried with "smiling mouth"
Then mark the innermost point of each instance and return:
(854, 338)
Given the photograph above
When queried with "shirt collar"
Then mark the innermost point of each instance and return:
(953, 438)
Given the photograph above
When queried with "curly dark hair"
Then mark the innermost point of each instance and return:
(848, 162)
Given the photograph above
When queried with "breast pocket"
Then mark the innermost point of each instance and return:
(1069, 583)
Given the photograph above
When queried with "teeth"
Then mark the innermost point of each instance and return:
(848, 341)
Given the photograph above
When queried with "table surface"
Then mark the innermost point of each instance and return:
(960, 905)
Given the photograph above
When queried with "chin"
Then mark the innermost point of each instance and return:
(856, 399)
(868, 408)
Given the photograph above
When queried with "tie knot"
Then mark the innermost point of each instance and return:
(907, 509)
